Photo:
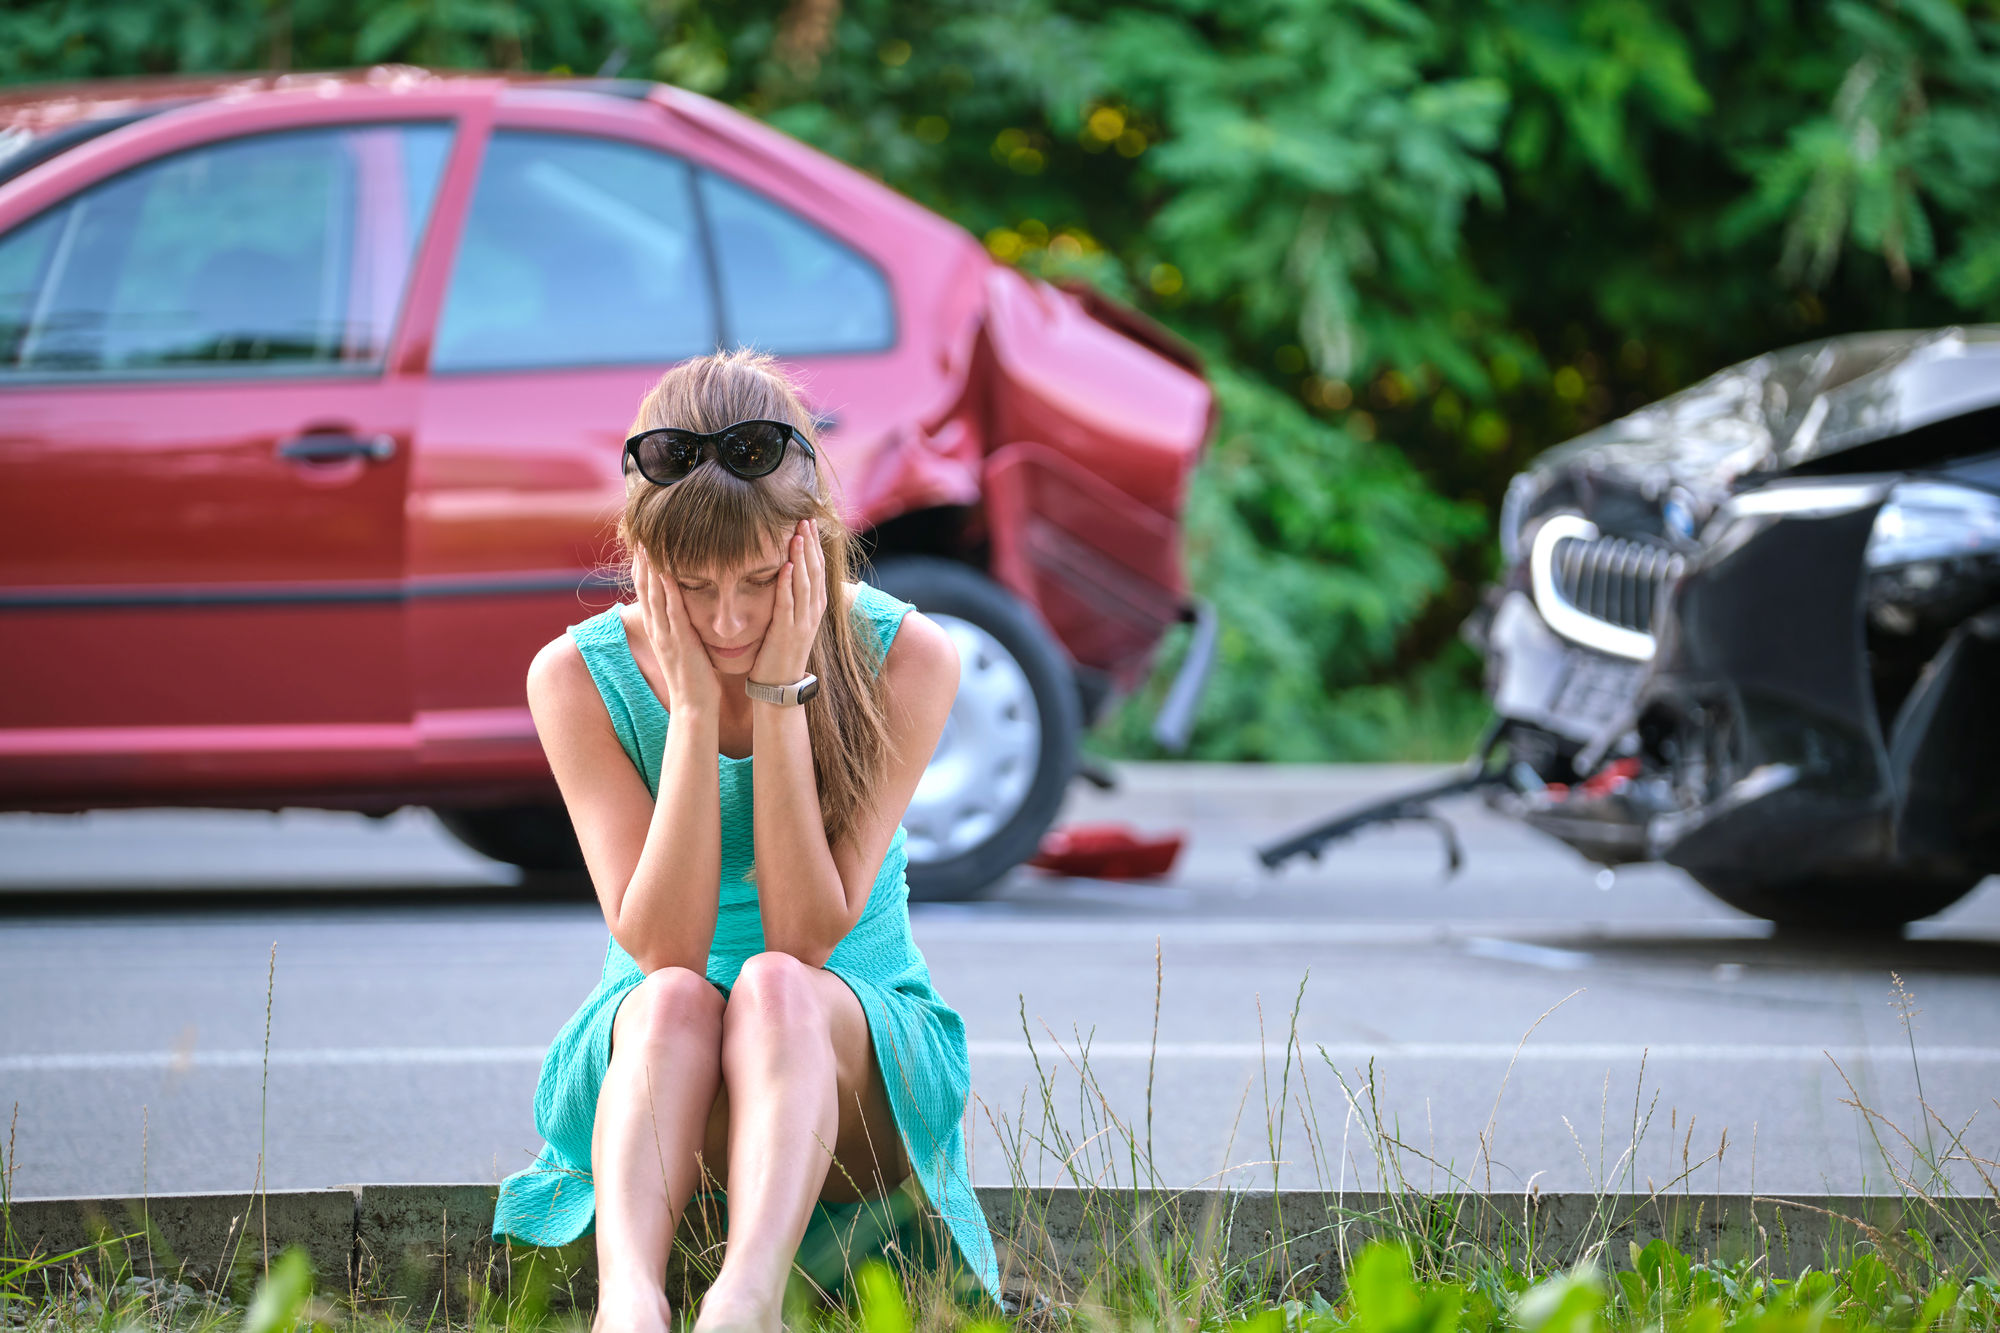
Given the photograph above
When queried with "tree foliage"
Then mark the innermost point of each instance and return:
(1419, 243)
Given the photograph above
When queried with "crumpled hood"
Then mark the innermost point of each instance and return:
(1778, 410)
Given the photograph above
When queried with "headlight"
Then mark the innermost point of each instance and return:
(1933, 520)
(1804, 499)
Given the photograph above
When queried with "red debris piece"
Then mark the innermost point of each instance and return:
(1106, 851)
(1606, 781)
(1610, 778)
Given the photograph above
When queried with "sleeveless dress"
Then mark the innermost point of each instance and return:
(919, 1040)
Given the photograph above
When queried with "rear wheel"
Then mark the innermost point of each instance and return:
(533, 837)
(1871, 901)
(1009, 748)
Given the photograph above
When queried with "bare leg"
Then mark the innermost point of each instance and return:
(653, 1113)
(795, 1043)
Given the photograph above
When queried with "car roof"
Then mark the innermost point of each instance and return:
(39, 108)
(932, 254)
(40, 121)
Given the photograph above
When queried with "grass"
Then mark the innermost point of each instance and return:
(1432, 1250)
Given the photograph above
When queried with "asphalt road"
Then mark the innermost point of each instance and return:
(1525, 1024)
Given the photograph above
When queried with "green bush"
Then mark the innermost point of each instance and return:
(1420, 242)
(1319, 551)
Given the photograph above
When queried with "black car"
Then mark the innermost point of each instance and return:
(1753, 630)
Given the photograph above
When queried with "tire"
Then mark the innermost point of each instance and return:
(1870, 902)
(537, 838)
(1010, 748)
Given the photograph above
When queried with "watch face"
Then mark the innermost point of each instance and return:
(809, 690)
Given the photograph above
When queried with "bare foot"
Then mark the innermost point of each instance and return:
(726, 1311)
(637, 1309)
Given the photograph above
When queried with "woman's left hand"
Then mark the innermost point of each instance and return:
(800, 604)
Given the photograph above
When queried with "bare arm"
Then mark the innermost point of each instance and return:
(810, 894)
(654, 864)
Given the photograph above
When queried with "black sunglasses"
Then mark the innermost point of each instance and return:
(750, 449)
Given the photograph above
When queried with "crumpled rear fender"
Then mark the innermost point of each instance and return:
(1101, 568)
(1071, 426)
(1111, 404)
(1095, 436)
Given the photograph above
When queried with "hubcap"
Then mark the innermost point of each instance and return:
(985, 762)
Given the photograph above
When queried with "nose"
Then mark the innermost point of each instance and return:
(731, 615)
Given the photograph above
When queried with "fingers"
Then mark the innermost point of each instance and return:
(801, 580)
(642, 588)
(785, 613)
(816, 558)
(673, 605)
(659, 599)
(660, 608)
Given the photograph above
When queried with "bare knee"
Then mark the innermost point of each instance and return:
(667, 1009)
(774, 992)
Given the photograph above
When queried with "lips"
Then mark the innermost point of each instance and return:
(730, 652)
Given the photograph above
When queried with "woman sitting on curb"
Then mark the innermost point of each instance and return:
(765, 1023)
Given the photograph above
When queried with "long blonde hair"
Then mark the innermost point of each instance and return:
(713, 520)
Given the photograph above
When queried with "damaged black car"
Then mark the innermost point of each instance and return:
(1753, 631)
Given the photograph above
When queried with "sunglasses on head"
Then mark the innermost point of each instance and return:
(750, 449)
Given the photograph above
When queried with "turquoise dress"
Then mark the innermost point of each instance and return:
(919, 1039)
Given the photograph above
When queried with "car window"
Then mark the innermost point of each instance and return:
(286, 249)
(578, 251)
(24, 259)
(787, 287)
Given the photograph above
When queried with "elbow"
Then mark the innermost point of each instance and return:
(811, 942)
(649, 960)
(659, 960)
(810, 931)
(811, 950)
(653, 955)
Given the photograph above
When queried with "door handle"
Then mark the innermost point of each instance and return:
(328, 446)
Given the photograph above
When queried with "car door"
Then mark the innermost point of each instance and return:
(204, 464)
(579, 275)
(588, 263)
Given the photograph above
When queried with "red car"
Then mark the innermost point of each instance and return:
(312, 390)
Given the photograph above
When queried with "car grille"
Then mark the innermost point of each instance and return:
(1614, 579)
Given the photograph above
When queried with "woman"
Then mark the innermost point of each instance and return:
(765, 1028)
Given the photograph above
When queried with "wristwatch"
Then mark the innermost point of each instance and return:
(796, 693)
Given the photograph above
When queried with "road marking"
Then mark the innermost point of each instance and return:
(986, 923)
(95, 1061)
(1120, 1051)
(1549, 1053)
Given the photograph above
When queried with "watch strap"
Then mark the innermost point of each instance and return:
(796, 693)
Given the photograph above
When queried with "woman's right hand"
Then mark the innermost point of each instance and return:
(691, 680)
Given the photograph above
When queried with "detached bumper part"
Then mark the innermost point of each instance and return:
(1410, 807)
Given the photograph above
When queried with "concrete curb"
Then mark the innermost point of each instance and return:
(214, 1241)
(410, 1243)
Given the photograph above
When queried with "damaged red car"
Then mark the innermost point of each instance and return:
(312, 391)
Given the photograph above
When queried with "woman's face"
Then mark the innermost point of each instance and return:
(731, 608)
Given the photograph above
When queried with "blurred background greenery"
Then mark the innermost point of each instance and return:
(1417, 243)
